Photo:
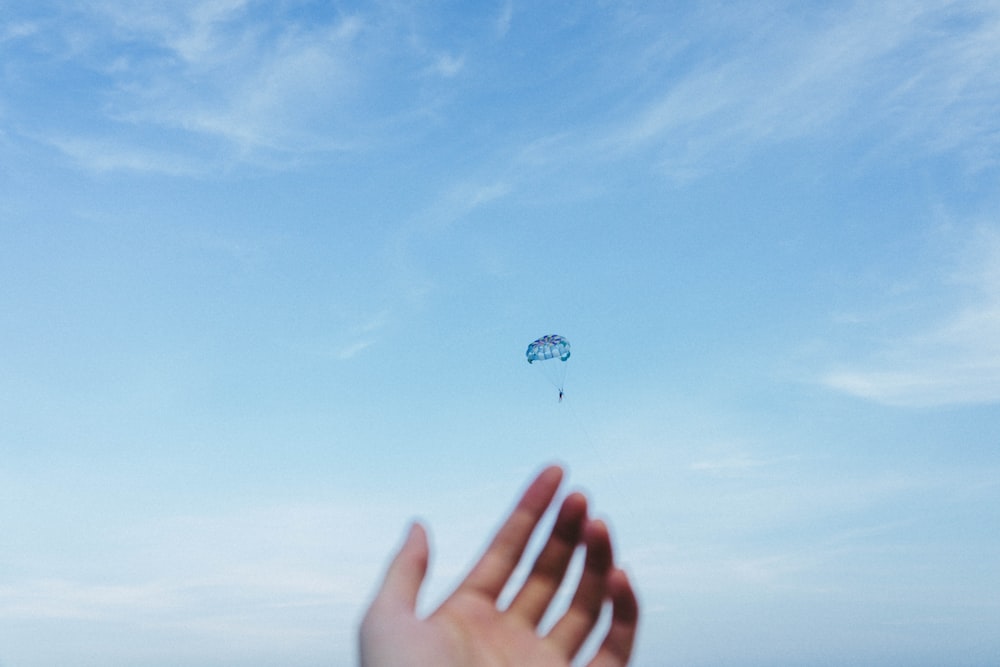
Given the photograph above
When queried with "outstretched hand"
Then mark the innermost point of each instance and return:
(469, 630)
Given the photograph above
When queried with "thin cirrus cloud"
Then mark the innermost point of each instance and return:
(801, 81)
(956, 363)
(108, 155)
(227, 555)
(190, 87)
(249, 91)
(954, 359)
(215, 71)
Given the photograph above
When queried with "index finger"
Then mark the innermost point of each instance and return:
(489, 575)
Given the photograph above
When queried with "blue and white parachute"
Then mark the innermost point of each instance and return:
(548, 347)
(551, 352)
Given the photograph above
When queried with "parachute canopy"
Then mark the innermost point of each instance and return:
(548, 347)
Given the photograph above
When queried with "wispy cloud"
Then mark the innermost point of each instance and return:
(788, 78)
(17, 30)
(468, 197)
(448, 65)
(953, 360)
(733, 466)
(222, 578)
(236, 83)
(832, 521)
(219, 82)
(504, 19)
(411, 277)
(353, 350)
(253, 82)
(361, 335)
(110, 154)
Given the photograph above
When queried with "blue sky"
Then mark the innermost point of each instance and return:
(268, 271)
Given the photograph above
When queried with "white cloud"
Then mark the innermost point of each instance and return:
(249, 92)
(362, 335)
(258, 81)
(448, 65)
(199, 39)
(953, 361)
(933, 87)
(191, 87)
(732, 466)
(504, 19)
(17, 30)
(112, 155)
(287, 578)
(353, 350)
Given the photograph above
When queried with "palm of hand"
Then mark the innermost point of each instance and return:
(469, 630)
(465, 631)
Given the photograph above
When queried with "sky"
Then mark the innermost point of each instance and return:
(268, 271)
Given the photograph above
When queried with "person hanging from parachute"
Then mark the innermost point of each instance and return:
(552, 352)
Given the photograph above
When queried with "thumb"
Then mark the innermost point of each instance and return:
(406, 571)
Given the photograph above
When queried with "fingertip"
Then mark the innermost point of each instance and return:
(597, 535)
(416, 531)
(625, 604)
(572, 519)
(598, 528)
(552, 473)
(542, 490)
(576, 503)
(417, 544)
(598, 541)
(408, 568)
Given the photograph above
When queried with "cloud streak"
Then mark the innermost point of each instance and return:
(293, 576)
(233, 83)
(215, 83)
(230, 86)
(955, 360)
(790, 78)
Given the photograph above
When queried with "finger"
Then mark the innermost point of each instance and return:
(406, 571)
(572, 629)
(616, 649)
(549, 569)
(489, 575)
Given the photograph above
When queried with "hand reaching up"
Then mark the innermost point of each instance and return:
(469, 630)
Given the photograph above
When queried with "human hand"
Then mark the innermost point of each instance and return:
(469, 630)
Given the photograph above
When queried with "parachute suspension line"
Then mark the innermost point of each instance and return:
(550, 353)
(588, 439)
(554, 372)
(562, 378)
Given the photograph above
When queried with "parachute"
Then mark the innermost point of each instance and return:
(551, 352)
(548, 347)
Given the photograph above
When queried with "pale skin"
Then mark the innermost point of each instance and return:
(470, 630)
